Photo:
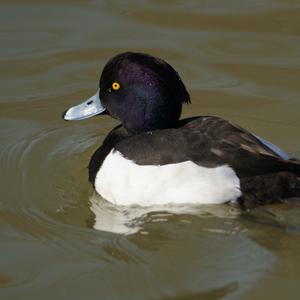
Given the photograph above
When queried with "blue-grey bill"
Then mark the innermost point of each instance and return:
(89, 108)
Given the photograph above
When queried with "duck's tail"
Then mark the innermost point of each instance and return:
(293, 165)
(271, 188)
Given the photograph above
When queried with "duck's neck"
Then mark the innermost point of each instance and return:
(115, 136)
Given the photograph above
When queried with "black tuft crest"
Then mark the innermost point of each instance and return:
(151, 92)
(165, 73)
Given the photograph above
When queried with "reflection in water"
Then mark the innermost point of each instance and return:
(129, 220)
(162, 249)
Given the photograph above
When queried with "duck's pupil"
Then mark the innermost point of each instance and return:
(116, 86)
(90, 102)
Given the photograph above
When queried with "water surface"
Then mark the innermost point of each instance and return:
(239, 60)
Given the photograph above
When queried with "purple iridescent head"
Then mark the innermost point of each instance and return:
(150, 92)
(143, 92)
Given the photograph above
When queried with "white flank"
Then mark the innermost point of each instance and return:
(123, 182)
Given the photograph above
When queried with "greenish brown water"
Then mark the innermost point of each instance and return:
(239, 59)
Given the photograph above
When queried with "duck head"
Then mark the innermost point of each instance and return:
(143, 92)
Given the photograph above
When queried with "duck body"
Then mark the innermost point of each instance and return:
(154, 158)
(147, 169)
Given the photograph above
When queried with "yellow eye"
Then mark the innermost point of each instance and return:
(115, 86)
